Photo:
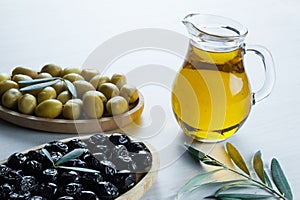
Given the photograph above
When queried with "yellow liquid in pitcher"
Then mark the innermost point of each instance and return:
(211, 95)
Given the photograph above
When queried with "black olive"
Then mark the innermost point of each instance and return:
(118, 138)
(49, 175)
(84, 195)
(4, 170)
(75, 144)
(73, 189)
(56, 156)
(65, 198)
(90, 179)
(56, 146)
(37, 198)
(91, 161)
(135, 147)
(119, 150)
(125, 163)
(27, 184)
(106, 190)
(108, 170)
(97, 139)
(5, 190)
(16, 161)
(13, 176)
(68, 177)
(48, 190)
(143, 160)
(32, 167)
(76, 163)
(19, 196)
(39, 156)
(101, 156)
(124, 180)
(104, 150)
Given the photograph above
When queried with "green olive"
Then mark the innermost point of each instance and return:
(64, 96)
(21, 77)
(72, 110)
(52, 69)
(88, 74)
(43, 75)
(4, 77)
(10, 98)
(129, 92)
(50, 108)
(118, 79)
(78, 101)
(117, 105)
(69, 70)
(100, 94)
(27, 104)
(26, 71)
(82, 87)
(97, 80)
(73, 77)
(93, 106)
(109, 90)
(59, 87)
(46, 93)
(6, 85)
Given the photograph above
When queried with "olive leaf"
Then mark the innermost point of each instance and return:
(280, 179)
(80, 169)
(268, 181)
(238, 185)
(46, 152)
(39, 85)
(71, 88)
(240, 196)
(206, 159)
(35, 81)
(237, 158)
(195, 181)
(69, 156)
(259, 166)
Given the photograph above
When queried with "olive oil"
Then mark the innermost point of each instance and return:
(211, 95)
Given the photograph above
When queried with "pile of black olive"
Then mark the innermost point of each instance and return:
(118, 162)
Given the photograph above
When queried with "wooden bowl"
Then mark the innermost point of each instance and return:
(74, 126)
(144, 182)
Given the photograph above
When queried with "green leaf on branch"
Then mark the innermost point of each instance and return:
(268, 181)
(39, 85)
(237, 158)
(199, 155)
(240, 196)
(259, 166)
(48, 155)
(80, 169)
(35, 81)
(71, 88)
(196, 181)
(69, 156)
(280, 179)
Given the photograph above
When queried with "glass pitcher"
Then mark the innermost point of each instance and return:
(211, 95)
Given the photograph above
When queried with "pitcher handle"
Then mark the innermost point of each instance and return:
(269, 69)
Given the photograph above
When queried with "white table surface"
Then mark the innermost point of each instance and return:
(33, 33)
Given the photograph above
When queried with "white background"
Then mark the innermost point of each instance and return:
(34, 32)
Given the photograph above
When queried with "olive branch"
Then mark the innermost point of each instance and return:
(45, 82)
(69, 156)
(261, 181)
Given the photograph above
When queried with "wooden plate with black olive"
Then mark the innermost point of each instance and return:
(93, 167)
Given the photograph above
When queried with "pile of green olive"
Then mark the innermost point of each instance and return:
(96, 95)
